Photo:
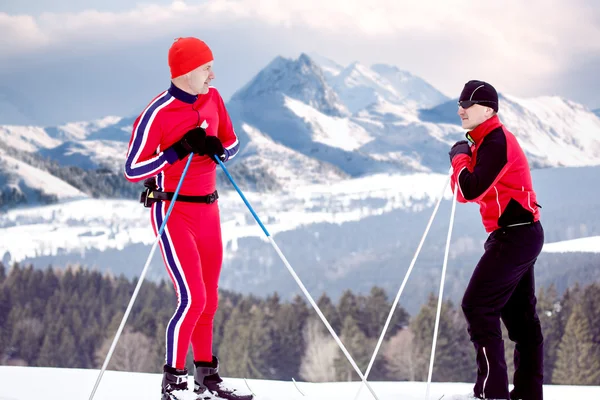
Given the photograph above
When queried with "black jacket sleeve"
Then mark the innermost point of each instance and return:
(491, 159)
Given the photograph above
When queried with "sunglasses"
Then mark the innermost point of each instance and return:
(468, 103)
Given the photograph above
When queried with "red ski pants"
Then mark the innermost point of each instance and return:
(192, 250)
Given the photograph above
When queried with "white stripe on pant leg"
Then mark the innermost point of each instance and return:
(488, 372)
(186, 287)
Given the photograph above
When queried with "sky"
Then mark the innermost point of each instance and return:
(67, 60)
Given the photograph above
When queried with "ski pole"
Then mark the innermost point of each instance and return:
(297, 279)
(441, 295)
(397, 299)
(139, 284)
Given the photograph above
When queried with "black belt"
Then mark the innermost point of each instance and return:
(149, 197)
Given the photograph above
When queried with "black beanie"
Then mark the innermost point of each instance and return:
(480, 92)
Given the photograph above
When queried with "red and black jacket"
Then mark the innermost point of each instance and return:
(496, 176)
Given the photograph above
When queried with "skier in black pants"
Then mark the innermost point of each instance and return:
(492, 170)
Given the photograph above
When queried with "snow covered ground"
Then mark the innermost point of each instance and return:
(112, 224)
(27, 383)
(584, 245)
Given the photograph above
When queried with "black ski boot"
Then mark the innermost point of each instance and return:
(174, 382)
(207, 381)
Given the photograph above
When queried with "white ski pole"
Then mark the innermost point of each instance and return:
(441, 295)
(139, 284)
(298, 281)
(397, 299)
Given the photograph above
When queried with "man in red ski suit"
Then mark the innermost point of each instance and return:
(493, 172)
(189, 117)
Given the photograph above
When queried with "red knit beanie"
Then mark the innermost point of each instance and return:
(187, 54)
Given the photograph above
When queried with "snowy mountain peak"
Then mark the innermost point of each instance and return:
(330, 68)
(83, 129)
(597, 112)
(411, 88)
(301, 79)
(360, 87)
(386, 69)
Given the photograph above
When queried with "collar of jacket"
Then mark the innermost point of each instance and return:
(182, 95)
(481, 131)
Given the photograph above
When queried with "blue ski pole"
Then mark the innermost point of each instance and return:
(297, 279)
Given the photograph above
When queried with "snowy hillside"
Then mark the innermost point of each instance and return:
(27, 138)
(115, 224)
(89, 154)
(87, 145)
(335, 132)
(355, 233)
(35, 162)
(275, 166)
(554, 131)
(597, 112)
(584, 245)
(18, 180)
(27, 381)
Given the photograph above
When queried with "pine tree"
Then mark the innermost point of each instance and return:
(2, 273)
(454, 359)
(261, 346)
(67, 350)
(354, 340)
(290, 346)
(591, 307)
(548, 312)
(5, 323)
(27, 334)
(571, 297)
(49, 284)
(222, 315)
(375, 314)
(578, 361)
(348, 306)
(330, 312)
(234, 351)
(49, 355)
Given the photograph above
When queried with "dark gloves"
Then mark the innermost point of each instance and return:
(461, 147)
(213, 146)
(196, 141)
(192, 142)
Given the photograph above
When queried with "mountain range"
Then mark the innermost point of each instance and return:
(347, 160)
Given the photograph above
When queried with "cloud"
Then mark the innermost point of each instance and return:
(20, 33)
(522, 47)
(512, 27)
